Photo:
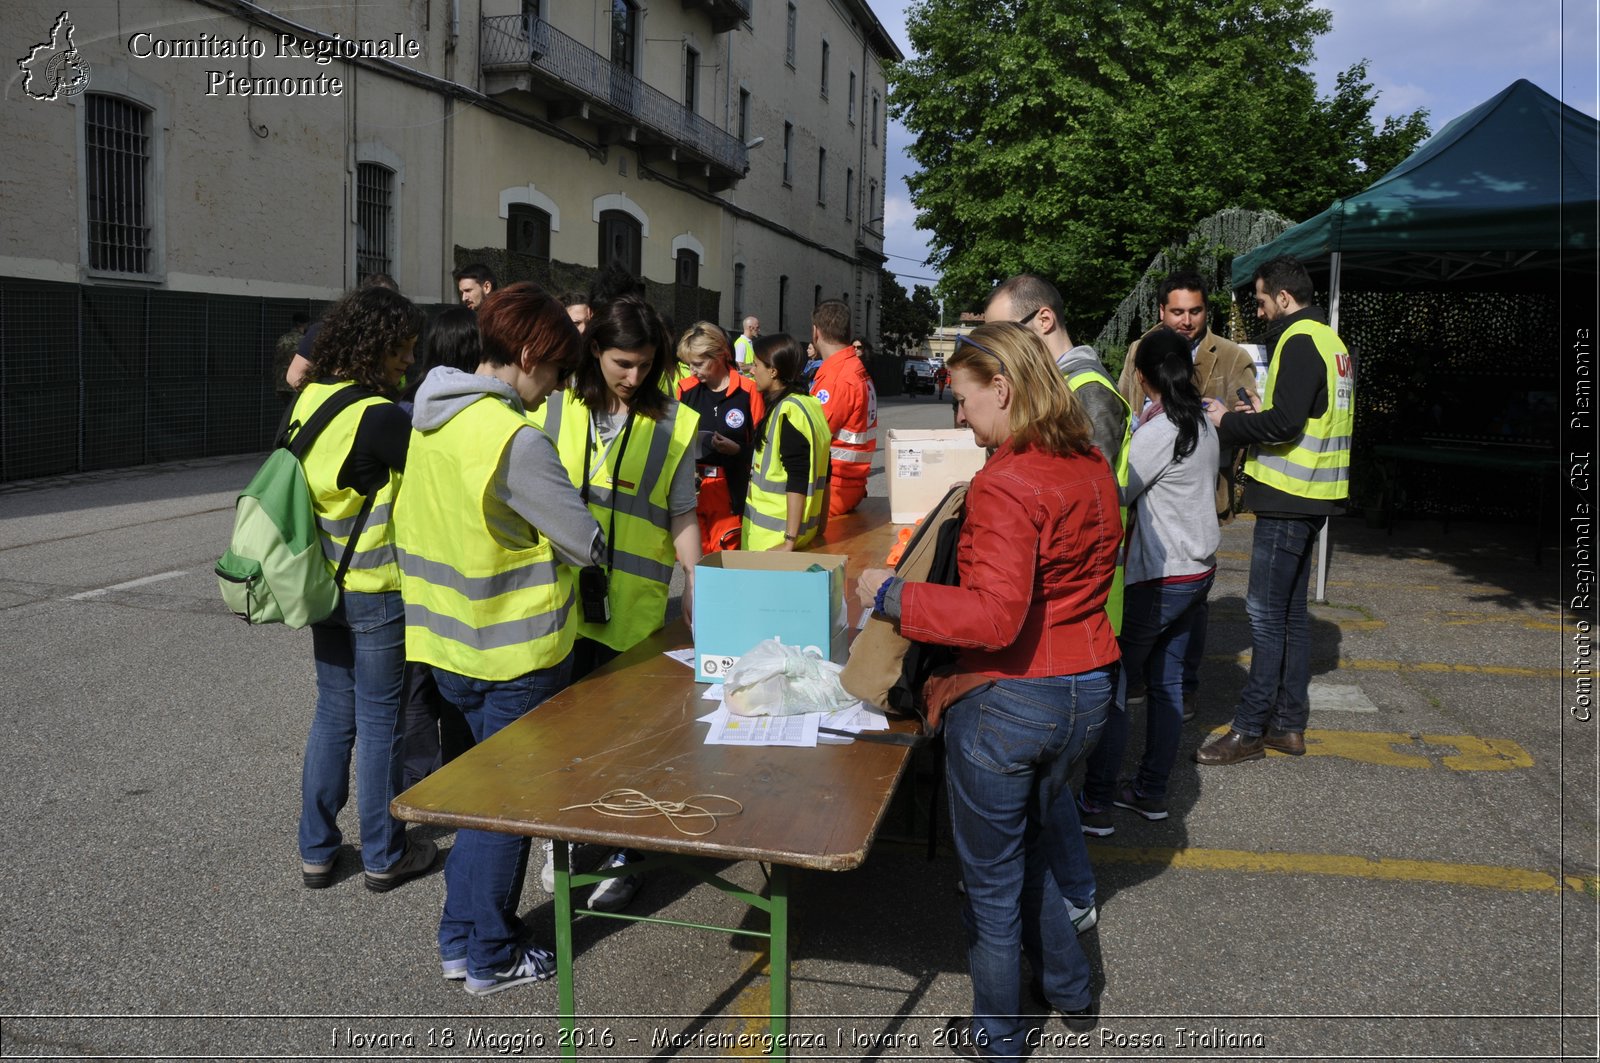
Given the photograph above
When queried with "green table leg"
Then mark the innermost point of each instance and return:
(778, 966)
(564, 1002)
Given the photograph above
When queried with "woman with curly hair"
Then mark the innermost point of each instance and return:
(352, 468)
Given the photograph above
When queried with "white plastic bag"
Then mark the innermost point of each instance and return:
(777, 680)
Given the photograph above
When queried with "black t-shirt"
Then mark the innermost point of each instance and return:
(727, 412)
(382, 438)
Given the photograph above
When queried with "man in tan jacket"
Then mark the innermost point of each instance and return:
(1221, 367)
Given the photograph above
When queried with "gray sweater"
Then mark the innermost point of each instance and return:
(1107, 412)
(531, 486)
(1172, 514)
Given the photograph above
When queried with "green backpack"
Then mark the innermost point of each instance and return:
(274, 572)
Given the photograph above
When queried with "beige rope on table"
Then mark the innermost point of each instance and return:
(625, 803)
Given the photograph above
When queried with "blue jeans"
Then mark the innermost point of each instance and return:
(1159, 621)
(1277, 694)
(360, 652)
(483, 873)
(1197, 647)
(1008, 750)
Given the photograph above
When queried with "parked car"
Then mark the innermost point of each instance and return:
(919, 377)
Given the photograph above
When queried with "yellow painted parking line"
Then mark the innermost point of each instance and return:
(1362, 664)
(752, 1010)
(1482, 876)
(1378, 747)
(1366, 586)
(1530, 623)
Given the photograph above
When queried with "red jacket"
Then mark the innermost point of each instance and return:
(1037, 551)
(850, 403)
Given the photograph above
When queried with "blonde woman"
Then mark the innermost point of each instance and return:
(730, 407)
(1030, 690)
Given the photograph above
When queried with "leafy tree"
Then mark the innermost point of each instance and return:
(1076, 140)
(906, 319)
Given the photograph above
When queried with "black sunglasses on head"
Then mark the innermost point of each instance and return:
(974, 343)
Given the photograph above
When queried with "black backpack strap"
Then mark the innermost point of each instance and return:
(350, 543)
(331, 407)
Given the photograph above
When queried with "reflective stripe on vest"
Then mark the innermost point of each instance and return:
(1114, 597)
(475, 605)
(373, 567)
(766, 508)
(642, 562)
(1317, 464)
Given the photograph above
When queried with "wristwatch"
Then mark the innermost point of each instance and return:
(790, 538)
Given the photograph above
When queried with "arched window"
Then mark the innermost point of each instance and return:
(686, 288)
(527, 230)
(621, 241)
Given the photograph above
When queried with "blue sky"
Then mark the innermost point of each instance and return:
(1445, 55)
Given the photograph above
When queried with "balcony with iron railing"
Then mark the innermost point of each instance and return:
(725, 14)
(563, 71)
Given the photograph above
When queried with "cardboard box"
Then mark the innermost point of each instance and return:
(742, 597)
(923, 463)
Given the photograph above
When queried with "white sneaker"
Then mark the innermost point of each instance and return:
(1083, 919)
(614, 894)
(547, 874)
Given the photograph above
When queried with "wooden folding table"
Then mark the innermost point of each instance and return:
(632, 725)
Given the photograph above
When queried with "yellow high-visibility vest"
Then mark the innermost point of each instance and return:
(1317, 463)
(638, 484)
(766, 507)
(372, 566)
(1076, 381)
(476, 604)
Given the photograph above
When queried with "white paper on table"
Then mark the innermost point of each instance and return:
(857, 717)
(714, 692)
(728, 729)
(682, 656)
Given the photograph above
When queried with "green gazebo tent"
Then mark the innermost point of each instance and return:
(1504, 198)
(1501, 198)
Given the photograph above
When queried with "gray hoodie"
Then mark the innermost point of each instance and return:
(531, 486)
(1105, 407)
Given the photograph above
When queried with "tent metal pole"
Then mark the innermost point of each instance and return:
(1334, 262)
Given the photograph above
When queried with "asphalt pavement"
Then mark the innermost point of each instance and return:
(1421, 884)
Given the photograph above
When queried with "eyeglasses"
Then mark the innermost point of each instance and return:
(1030, 315)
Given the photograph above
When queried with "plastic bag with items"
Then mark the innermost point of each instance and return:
(777, 680)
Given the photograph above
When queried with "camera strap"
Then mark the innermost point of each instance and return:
(619, 448)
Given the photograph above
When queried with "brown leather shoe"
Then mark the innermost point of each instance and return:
(1231, 748)
(1290, 742)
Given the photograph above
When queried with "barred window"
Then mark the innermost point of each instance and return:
(117, 135)
(374, 220)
